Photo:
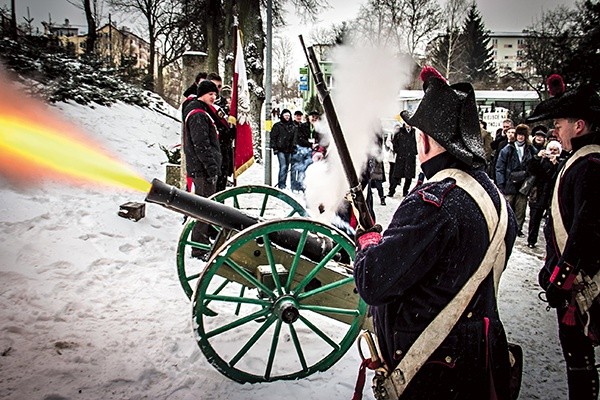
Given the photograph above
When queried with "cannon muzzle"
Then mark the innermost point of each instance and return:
(198, 207)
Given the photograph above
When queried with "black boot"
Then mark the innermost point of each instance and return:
(383, 201)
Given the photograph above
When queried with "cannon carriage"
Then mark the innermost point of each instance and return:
(273, 276)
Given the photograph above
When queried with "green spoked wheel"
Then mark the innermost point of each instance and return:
(256, 328)
(260, 201)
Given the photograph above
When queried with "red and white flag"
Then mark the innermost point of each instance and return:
(240, 109)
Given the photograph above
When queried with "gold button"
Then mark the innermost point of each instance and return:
(398, 352)
(448, 359)
(469, 315)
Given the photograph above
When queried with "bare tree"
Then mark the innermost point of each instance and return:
(283, 86)
(544, 47)
(93, 16)
(171, 40)
(379, 24)
(454, 14)
(153, 11)
(403, 24)
(421, 20)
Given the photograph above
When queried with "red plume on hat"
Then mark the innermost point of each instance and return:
(556, 85)
(429, 72)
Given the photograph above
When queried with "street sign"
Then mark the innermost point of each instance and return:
(303, 87)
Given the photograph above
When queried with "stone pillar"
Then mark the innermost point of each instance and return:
(193, 63)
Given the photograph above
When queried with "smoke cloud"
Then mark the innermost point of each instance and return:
(366, 82)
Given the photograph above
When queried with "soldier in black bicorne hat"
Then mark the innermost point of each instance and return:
(573, 231)
(435, 242)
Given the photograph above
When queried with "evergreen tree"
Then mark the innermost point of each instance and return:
(477, 53)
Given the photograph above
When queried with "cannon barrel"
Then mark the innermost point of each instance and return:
(198, 207)
(215, 213)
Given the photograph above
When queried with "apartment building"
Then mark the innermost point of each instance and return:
(508, 50)
(113, 43)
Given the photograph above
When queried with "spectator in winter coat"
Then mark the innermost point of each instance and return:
(302, 155)
(388, 153)
(405, 147)
(435, 242)
(377, 170)
(543, 167)
(500, 140)
(487, 141)
(202, 153)
(511, 171)
(283, 143)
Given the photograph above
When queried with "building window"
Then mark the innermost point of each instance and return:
(495, 42)
(519, 53)
(520, 42)
(508, 46)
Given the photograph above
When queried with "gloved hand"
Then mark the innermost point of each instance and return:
(557, 297)
(364, 238)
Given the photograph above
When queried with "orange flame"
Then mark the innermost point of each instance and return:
(35, 144)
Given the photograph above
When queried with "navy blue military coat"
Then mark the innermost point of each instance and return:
(434, 243)
(579, 203)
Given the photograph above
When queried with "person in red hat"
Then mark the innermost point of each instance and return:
(431, 278)
(571, 271)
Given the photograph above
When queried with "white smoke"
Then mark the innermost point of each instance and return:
(366, 86)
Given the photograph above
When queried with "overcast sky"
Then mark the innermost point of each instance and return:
(498, 15)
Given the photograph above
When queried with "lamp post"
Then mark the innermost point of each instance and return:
(268, 122)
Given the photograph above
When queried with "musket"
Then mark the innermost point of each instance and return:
(365, 220)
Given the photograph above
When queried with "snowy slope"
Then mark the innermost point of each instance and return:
(91, 306)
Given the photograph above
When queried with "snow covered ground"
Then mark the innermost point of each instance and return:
(91, 306)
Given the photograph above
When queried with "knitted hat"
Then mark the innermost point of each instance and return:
(582, 102)
(539, 130)
(448, 113)
(207, 87)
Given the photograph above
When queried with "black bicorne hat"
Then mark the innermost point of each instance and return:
(582, 102)
(448, 113)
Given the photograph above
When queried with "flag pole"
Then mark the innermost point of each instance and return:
(234, 91)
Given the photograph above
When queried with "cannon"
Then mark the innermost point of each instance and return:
(287, 281)
(274, 276)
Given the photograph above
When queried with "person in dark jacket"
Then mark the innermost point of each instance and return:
(572, 232)
(377, 175)
(435, 242)
(500, 140)
(511, 172)
(283, 142)
(302, 155)
(405, 147)
(543, 167)
(202, 153)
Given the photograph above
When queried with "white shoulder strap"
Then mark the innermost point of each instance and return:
(560, 232)
(437, 331)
